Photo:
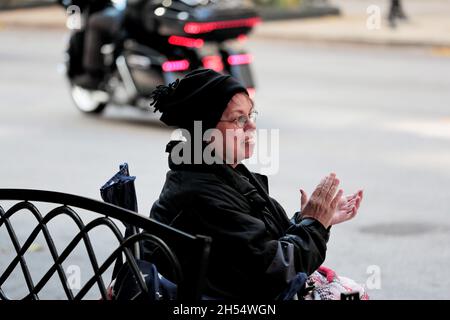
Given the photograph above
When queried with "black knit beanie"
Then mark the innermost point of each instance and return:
(202, 95)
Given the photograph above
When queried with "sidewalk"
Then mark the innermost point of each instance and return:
(419, 31)
(428, 24)
(52, 17)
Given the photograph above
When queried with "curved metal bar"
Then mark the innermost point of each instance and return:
(129, 242)
(57, 263)
(123, 247)
(86, 240)
(102, 221)
(3, 296)
(18, 249)
(42, 226)
(104, 208)
(177, 272)
(189, 278)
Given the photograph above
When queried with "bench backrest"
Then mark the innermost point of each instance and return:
(188, 274)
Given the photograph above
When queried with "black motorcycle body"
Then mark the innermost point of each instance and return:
(162, 42)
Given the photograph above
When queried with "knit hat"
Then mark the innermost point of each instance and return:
(202, 95)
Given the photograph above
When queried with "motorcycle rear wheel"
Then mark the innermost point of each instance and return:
(88, 101)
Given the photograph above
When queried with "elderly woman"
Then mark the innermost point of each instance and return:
(256, 249)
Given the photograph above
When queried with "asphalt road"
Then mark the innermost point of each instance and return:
(378, 117)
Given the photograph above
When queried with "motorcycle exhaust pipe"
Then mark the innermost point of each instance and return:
(127, 78)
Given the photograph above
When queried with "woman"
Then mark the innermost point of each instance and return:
(256, 250)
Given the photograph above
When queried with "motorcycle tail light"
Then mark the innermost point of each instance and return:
(238, 59)
(186, 42)
(242, 38)
(213, 62)
(175, 65)
(204, 27)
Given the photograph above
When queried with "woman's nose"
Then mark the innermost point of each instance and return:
(250, 125)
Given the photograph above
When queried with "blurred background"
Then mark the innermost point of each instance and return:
(350, 91)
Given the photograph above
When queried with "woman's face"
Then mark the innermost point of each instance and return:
(238, 142)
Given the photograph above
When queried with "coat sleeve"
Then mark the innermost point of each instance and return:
(241, 239)
(309, 238)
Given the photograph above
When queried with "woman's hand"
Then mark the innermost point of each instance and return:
(324, 201)
(346, 209)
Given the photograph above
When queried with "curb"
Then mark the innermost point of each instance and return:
(266, 13)
(274, 14)
(25, 6)
(8, 20)
(348, 41)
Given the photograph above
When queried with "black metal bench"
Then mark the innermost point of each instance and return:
(189, 274)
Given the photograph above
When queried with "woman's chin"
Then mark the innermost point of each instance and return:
(249, 150)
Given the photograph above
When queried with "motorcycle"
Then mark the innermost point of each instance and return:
(173, 38)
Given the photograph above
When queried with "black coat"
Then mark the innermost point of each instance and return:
(255, 248)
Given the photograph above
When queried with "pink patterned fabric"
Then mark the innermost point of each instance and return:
(327, 285)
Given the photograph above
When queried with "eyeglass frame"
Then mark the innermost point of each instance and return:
(253, 114)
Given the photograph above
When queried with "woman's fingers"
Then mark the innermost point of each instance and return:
(347, 202)
(358, 202)
(360, 195)
(319, 187)
(347, 206)
(324, 186)
(336, 199)
(332, 190)
(355, 199)
(329, 184)
(351, 196)
(352, 209)
(303, 198)
(353, 213)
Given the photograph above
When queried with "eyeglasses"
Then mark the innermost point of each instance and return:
(242, 121)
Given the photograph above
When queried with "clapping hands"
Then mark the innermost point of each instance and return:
(327, 206)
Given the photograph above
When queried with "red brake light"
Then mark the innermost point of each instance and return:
(213, 62)
(204, 27)
(242, 38)
(238, 59)
(175, 65)
(186, 42)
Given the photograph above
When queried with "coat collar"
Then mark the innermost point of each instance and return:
(253, 186)
(240, 178)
